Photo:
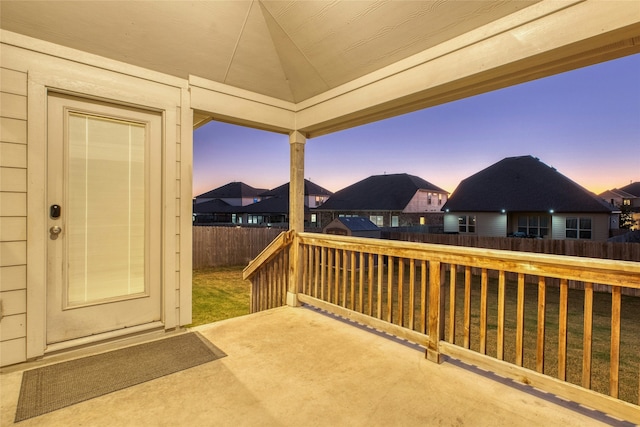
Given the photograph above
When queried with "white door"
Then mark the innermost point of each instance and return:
(104, 218)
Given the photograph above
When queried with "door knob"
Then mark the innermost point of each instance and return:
(55, 230)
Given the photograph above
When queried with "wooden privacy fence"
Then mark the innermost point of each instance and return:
(226, 246)
(577, 344)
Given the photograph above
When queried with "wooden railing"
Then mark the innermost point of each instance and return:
(509, 312)
(268, 274)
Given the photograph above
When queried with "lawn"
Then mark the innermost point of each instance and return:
(218, 294)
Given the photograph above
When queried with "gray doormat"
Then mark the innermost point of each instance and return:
(63, 384)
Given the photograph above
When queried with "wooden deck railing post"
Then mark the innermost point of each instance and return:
(435, 313)
(297, 142)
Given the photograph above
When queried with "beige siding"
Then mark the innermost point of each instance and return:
(13, 215)
(491, 224)
(599, 225)
(420, 202)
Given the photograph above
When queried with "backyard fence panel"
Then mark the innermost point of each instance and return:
(228, 246)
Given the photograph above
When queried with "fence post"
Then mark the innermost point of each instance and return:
(435, 313)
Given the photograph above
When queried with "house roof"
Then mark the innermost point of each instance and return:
(523, 184)
(618, 193)
(379, 193)
(272, 205)
(213, 206)
(310, 189)
(232, 190)
(633, 188)
(357, 223)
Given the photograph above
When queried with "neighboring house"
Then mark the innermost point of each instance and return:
(355, 226)
(213, 212)
(233, 193)
(524, 197)
(271, 207)
(396, 200)
(627, 197)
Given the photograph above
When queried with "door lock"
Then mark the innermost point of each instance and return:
(55, 230)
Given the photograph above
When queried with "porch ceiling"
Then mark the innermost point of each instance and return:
(288, 50)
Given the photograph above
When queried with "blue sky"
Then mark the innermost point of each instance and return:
(585, 123)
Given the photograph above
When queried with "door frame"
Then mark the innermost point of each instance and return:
(160, 95)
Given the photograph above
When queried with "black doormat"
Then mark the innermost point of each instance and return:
(63, 384)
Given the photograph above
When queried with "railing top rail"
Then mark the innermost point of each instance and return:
(602, 271)
(283, 240)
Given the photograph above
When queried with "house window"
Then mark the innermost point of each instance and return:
(254, 219)
(314, 218)
(439, 199)
(467, 224)
(394, 221)
(319, 200)
(429, 198)
(233, 218)
(534, 225)
(578, 228)
(625, 202)
(422, 220)
(377, 220)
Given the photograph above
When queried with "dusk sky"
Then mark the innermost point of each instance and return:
(585, 123)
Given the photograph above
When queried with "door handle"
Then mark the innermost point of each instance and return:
(55, 230)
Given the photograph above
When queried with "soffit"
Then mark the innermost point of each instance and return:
(289, 50)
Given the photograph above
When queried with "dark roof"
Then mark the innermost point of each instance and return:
(379, 193)
(523, 184)
(310, 189)
(633, 188)
(358, 223)
(232, 190)
(212, 206)
(272, 205)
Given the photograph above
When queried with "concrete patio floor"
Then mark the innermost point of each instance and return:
(301, 367)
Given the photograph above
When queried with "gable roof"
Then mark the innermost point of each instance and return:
(212, 206)
(523, 184)
(618, 193)
(379, 193)
(272, 205)
(310, 189)
(633, 188)
(232, 190)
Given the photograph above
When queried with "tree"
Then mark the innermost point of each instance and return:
(626, 217)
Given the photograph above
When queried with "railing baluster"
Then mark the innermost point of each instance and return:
(423, 296)
(400, 291)
(323, 269)
(345, 264)
(352, 294)
(483, 311)
(370, 286)
(330, 283)
(500, 334)
(412, 295)
(452, 302)
(587, 340)
(614, 369)
(361, 289)
(336, 282)
(435, 312)
(467, 306)
(562, 330)
(380, 259)
(316, 270)
(542, 296)
(390, 261)
(520, 321)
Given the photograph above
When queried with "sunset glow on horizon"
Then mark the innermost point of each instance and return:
(585, 123)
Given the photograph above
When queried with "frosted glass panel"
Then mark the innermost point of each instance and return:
(106, 209)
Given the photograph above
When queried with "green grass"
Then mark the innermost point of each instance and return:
(218, 294)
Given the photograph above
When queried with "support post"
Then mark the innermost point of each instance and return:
(297, 142)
